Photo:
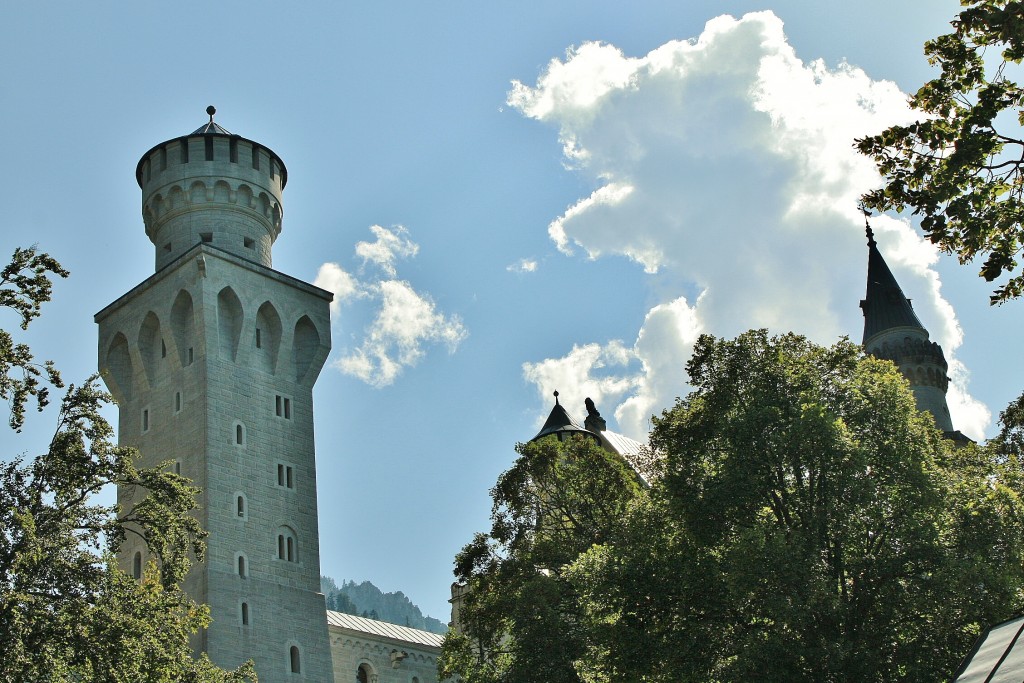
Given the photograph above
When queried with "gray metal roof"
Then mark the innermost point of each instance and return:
(997, 657)
(623, 445)
(211, 128)
(885, 306)
(383, 629)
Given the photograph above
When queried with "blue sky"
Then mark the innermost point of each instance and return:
(496, 224)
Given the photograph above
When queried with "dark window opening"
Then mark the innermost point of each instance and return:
(293, 655)
(256, 157)
(249, 242)
(206, 237)
(233, 150)
(208, 139)
(245, 614)
(137, 566)
(239, 435)
(259, 344)
(184, 151)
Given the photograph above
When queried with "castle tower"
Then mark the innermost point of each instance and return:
(212, 362)
(893, 332)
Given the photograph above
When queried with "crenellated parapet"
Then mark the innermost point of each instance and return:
(213, 187)
(921, 361)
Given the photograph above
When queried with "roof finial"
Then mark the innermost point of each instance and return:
(211, 110)
(556, 397)
(867, 228)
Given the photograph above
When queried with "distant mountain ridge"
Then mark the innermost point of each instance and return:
(366, 600)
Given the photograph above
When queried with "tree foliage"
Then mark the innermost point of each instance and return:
(808, 525)
(961, 167)
(67, 613)
(521, 615)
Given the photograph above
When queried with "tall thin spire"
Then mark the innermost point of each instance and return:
(892, 331)
(885, 306)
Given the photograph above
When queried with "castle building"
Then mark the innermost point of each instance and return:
(892, 331)
(212, 361)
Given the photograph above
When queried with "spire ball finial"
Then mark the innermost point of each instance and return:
(556, 397)
(211, 110)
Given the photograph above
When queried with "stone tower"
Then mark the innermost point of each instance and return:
(892, 331)
(212, 362)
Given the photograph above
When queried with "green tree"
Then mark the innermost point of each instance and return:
(66, 612)
(521, 616)
(961, 167)
(811, 525)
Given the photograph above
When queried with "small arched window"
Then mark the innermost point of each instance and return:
(295, 659)
(137, 565)
(244, 616)
(363, 673)
(240, 508)
(287, 546)
(243, 570)
(239, 435)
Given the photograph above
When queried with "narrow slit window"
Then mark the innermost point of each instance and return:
(278, 409)
(291, 548)
(209, 147)
(289, 483)
(137, 565)
(233, 150)
(259, 341)
(239, 435)
(145, 419)
(280, 546)
(240, 506)
(280, 475)
(245, 614)
(241, 566)
(177, 467)
(177, 401)
(163, 349)
(190, 355)
(184, 151)
(256, 157)
(287, 408)
(163, 158)
(293, 655)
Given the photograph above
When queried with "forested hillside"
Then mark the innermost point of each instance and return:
(366, 600)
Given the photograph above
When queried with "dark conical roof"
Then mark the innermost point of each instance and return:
(560, 423)
(884, 305)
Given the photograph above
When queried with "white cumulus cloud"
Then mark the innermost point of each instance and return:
(389, 246)
(727, 162)
(525, 265)
(405, 321)
(334, 279)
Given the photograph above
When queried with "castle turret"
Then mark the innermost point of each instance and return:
(212, 361)
(893, 331)
(215, 187)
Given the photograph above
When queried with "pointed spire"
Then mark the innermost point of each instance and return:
(884, 305)
(561, 424)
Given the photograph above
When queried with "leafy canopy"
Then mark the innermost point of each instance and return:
(807, 525)
(67, 613)
(961, 168)
(811, 525)
(521, 615)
